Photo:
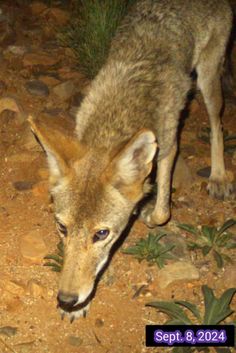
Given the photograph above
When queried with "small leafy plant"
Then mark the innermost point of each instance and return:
(215, 311)
(229, 140)
(56, 260)
(211, 240)
(151, 250)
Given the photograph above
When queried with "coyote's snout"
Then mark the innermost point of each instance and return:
(98, 176)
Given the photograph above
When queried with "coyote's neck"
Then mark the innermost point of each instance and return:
(116, 106)
(128, 96)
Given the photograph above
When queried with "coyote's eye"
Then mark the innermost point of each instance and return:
(101, 235)
(62, 228)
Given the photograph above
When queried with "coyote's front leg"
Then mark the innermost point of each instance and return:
(161, 212)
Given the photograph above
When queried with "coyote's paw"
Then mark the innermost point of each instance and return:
(152, 218)
(221, 190)
(73, 315)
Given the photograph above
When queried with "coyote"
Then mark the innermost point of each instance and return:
(98, 176)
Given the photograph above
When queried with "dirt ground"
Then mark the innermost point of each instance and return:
(117, 318)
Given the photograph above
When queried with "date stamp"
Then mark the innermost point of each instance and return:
(194, 335)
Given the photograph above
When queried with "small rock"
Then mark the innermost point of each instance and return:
(35, 289)
(99, 322)
(25, 347)
(229, 277)
(32, 59)
(23, 185)
(8, 331)
(49, 80)
(75, 341)
(33, 248)
(37, 88)
(16, 50)
(61, 17)
(53, 111)
(37, 8)
(180, 249)
(204, 172)
(181, 270)
(182, 177)
(64, 90)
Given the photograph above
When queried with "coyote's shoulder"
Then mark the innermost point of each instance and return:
(147, 72)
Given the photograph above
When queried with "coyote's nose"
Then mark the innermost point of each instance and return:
(66, 301)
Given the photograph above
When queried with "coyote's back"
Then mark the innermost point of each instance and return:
(98, 177)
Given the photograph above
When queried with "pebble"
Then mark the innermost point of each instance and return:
(229, 276)
(180, 270)
(49, 80)
(34, 59)
(180, 249)
(25, 347)
(33, 248)
(59, 16)
(204, 172)
(37, 8)
(37, 88)
(64, 90)
(75, 341)
(8, 331)
(23, 185)
(99, 322)
(16, 50)
(35, 289)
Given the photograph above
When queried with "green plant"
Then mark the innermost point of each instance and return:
(215, 311)
(212, 240)
(204, 136)
(90, 31)
(151, 250)
(56, 260)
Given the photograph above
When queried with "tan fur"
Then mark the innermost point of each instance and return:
(100, 176)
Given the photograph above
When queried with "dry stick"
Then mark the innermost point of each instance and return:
(6, 345)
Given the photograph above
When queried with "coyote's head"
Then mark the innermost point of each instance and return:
(94, 192)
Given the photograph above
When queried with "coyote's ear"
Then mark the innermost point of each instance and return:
(134, 161)
(61, 148)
